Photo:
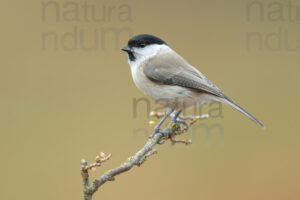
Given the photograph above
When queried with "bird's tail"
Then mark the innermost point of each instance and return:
(240, 109)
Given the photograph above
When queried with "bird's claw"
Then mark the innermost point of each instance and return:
(166, 135)
(173, 127)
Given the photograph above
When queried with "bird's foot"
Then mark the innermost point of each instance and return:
(165, 132)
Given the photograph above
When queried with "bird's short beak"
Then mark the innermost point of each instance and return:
(126, 48)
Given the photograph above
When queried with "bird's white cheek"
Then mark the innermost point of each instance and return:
(133, 68)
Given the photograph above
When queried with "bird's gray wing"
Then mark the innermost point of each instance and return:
(172, 69)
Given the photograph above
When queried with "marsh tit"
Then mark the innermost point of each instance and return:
(161, 73)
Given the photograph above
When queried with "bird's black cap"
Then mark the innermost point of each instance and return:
(143, 40)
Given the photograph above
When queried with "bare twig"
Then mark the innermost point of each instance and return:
(98, 161)
(175, 141)
(157, 114)
(138, 159)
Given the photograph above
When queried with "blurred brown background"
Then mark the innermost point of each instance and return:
(61, 102)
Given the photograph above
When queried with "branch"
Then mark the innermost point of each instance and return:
(138, 159)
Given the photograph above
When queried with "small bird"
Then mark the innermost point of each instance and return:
(161, 73)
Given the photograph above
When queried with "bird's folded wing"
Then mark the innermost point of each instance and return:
(171, 69)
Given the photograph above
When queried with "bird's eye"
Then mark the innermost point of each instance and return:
(142, 45)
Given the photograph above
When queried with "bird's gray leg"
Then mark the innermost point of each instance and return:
(175, 119)
(174, 116)
(157, 127)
